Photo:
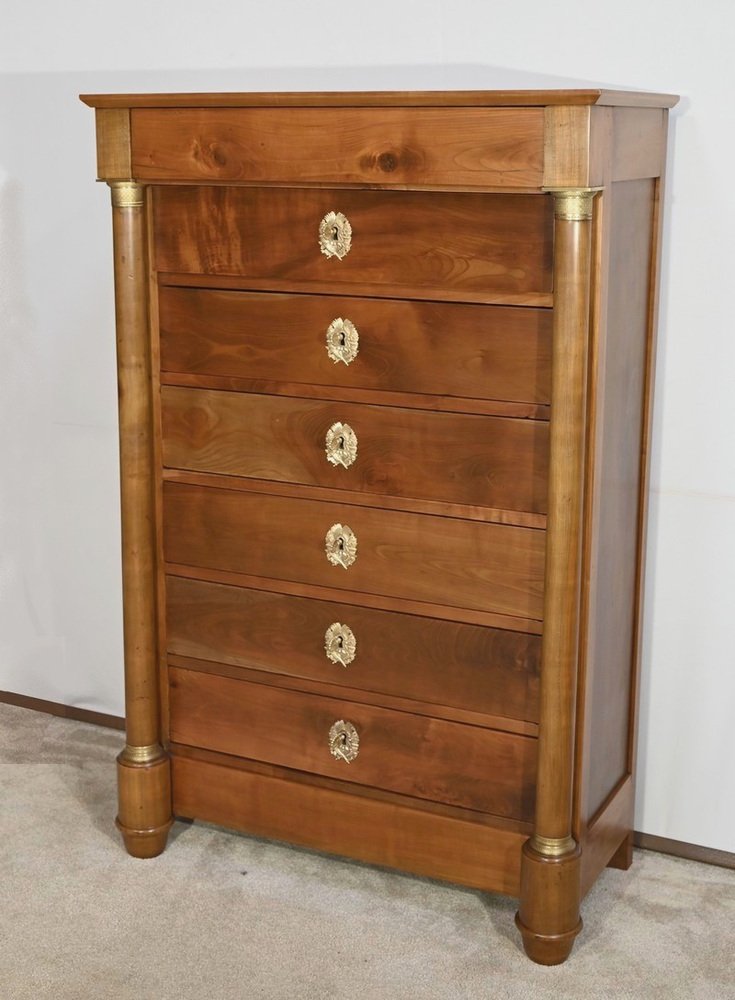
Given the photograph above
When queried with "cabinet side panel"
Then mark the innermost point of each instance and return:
(615, 543)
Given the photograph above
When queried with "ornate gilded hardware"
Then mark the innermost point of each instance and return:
(344, 741)
(341, 545)
(342, 340)
(340, 644)
(341, 445)
(335, 235)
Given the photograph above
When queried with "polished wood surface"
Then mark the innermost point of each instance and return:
(613, 560)
(415, 755)
(450, 350)
(397, 835)
(462, 287)
(487, 243)
(386, 99)
(144, 795)
(443, 662)
(457, 458)
(488, 567)
(439, 508)
(474, 147)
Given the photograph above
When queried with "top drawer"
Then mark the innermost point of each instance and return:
(475, 247)
(478, 147)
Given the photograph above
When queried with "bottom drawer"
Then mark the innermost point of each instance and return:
(448, 762)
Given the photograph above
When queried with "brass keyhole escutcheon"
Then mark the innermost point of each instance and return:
(344, 741)
(340, 545)
(335, 235)
(341, 445)
(342, 341)
(340, 644)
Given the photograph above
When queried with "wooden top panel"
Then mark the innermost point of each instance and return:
(366, 99)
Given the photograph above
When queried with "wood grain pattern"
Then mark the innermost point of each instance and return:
(112, 131)
(439, 508)
(385, 833)
(385, 99)
(422, 347)
(464, 242)
(488, 567)
(448, 663)
(414, 755)
(457, 458)
(429, 146)
(639, 143)
(615, 529)
(380, 602)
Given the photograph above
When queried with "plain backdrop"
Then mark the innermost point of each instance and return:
(60, 619)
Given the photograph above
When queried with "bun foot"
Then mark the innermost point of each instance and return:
(548, 915)
(551, 949)
(144, 843)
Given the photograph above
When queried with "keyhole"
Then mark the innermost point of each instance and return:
(341, 443)
(335, 233)
(340, 543)
(340, 641)
(342, 339)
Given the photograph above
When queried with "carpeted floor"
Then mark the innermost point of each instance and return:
(229, 917)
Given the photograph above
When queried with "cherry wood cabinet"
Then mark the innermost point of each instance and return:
(385, 367)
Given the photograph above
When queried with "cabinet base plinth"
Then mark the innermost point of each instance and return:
(144, 805)
(548, 915)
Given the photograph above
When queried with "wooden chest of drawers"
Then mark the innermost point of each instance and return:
(385, 375)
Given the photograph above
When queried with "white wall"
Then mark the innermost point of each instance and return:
(60, 632)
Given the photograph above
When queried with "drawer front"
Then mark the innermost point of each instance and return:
(470, 244)
(460, 146)
(492, 671)
(455, 457)
(432, 759)
(451, 349)
(442, 560)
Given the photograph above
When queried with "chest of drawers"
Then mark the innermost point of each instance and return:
(385, 377)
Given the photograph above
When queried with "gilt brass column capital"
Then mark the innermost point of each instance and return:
(126, 194)
(573, 204)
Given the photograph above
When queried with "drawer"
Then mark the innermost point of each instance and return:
(456, 457)
(473, 146)
(441, 560)
(487, 670)
(427, 758)
(426, 244)
(451, 349)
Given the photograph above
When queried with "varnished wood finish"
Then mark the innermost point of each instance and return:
(375, 289)
(144, 798)
(460, 574)
(564, 529)
(413, 347)
(475, 147)
(114, 152)
(444, 662)
(405, 753)
(488, 567)
(457, 458)
(613, 559)
(498, 243)
(397, 835)
(386, 99)
(380, 602)
(440, 508)
(548, 916)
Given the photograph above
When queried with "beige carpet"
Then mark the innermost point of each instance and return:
(229, 917)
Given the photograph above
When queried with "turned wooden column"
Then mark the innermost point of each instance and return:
(144, 782)
(548, 916)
